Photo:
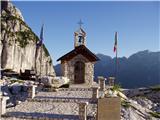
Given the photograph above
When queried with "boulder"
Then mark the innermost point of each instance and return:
(24, 88)
(16, 88)
(47, 80)
(144, 102)
(6, 91)
(59, 81)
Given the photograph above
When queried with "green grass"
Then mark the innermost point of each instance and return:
(19, 81)
(116, 87)
(155, 88)
(65, 86)
(45, 50)
(125, 104)
(50, 62)
(23, 37)
(155, 114)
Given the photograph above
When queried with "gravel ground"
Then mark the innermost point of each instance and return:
(52, 109)
(67, 94)
(12, 119)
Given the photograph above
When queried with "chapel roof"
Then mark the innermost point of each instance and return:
(83, 50)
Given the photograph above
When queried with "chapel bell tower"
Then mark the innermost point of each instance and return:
(79, 36)
(78, 64)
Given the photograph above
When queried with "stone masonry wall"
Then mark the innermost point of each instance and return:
(68, 69)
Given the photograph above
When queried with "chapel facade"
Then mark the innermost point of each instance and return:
(78, 64)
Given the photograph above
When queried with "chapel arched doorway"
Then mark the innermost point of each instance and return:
(79, 72)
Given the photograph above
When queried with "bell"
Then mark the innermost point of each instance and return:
(80, 39)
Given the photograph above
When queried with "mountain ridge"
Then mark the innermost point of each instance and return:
(141, 69)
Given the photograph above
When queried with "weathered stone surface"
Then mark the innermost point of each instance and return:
(50, 108)
(59, 81)
(101, 81)
(3, 100)
(95, 94)
(109, 108)
(111, 81)
(83, 110)
(18, 44)
(64, 102)
(68, 69)
(16, 88)
(32, 91)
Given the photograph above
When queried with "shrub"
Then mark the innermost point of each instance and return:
(116, 87)
(155, 114)
(125, 104)
(65, 86)
(156, 88)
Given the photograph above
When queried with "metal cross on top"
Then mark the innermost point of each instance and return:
(80, 23)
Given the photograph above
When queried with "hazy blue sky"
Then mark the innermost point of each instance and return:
(137, 24)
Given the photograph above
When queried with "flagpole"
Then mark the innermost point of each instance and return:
(41, 62)
(116, 64)
(41, 57)
(116, 60)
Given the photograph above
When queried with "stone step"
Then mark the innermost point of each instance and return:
(75, 89)
(66, 89)
(42, 116)
(51, 109)
(65, 94)
(63, 100)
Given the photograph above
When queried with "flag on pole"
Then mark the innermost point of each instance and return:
(115, 44)
(41, 37)
(116, 60)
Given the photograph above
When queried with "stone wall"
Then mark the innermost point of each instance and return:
(68, 69)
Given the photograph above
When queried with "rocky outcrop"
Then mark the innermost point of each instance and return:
(142, 104)
(138, 104)
(18, 48)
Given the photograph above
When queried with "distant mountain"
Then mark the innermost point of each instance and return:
(141, 69)
(58, 69)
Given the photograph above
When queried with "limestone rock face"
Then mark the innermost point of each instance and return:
(18, 48)
(144, 104)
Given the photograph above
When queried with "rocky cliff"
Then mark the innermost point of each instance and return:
(141, 104)
(18, 49)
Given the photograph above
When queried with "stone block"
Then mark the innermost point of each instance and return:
(95, 92)
(32, 91)
(101, 81)
(111, 81)
(109, 108)
(3, 100)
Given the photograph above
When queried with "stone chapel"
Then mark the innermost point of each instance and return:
(78, 64)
